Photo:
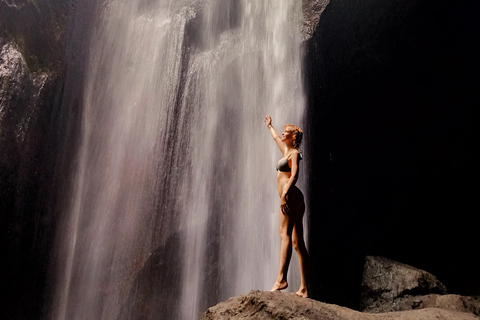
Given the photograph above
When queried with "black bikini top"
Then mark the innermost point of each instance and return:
(282, 165)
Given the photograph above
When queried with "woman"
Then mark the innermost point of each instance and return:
(292, 206)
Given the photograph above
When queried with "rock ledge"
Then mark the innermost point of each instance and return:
(278, 305)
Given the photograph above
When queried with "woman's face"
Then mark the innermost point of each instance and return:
(287, 134)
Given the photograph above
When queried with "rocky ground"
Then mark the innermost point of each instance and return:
(279, 305)
(391, 290)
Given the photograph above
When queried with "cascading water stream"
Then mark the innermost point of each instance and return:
(174, 203)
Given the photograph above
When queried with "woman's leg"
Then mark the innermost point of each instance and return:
(286, 229)
(303, 258)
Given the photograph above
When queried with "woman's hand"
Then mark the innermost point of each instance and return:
(268, 120)
(275, 136)
(283, 205)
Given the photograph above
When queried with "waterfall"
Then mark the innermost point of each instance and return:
(173, 203)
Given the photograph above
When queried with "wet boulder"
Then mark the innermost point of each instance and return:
(385, 281)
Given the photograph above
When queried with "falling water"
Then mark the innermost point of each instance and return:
(174, 205)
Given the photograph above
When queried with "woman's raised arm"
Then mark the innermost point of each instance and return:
(275, 136)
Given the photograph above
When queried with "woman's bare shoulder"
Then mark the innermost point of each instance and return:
(295, 153)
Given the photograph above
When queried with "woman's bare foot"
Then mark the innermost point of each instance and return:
(302, 292)
(280, 285)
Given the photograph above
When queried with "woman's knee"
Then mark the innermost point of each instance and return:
(298, 243)
(295, 244)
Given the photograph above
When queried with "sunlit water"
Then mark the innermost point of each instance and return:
(175, 174)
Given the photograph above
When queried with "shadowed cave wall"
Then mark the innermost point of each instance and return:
(393, 102)
(36, 144)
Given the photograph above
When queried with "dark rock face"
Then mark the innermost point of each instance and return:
(278, 305)
(20, 93)
(393, 151)
(31, 69)
(37, 28)
(385, 280)
(25, 226)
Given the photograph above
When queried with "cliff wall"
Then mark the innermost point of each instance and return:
(32, 66)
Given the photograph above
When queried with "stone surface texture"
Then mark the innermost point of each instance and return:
(20, 92)
(386, 280)
(451, 302)
(37, 28)
(279, 305)
(312, 10)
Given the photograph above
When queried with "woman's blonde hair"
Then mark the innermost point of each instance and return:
(297, 135)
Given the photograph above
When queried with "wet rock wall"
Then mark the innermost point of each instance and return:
(31, 75)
